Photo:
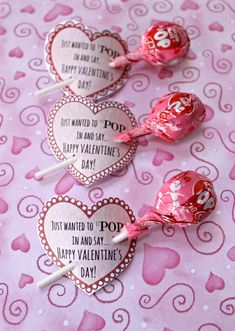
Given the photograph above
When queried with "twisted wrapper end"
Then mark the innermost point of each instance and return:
(138, 131)
(135, 229)
(131, 231)
(123, 60)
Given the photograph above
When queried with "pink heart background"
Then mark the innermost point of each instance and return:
(214, 282)
(3, 206)
(19, 143)
(16, 52)
(91, 321)
(189, 4)
(216, 26)
(161, 156)
(18, 75)
(57, 11)
(28, 9)
(2, 30)
(209, 150)
(21, 243)
(24, 280)
(156, 261)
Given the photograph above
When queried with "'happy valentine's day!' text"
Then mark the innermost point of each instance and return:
(87, 244)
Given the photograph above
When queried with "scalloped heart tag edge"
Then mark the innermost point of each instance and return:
(78, 126)
(72, 50)
(70, 231)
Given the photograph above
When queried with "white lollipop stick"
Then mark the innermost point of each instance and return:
(123, 235)
(55, 167)
(56, 275)
(112, 65)
(54, 87)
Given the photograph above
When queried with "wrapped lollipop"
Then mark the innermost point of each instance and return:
(174, 116)
(184, 199)
(163, 44)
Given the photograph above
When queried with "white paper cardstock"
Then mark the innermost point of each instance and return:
(77, 126)
(72, 50)
(69, 231)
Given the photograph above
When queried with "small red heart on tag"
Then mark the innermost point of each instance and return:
(74, 51)
(70, 231)
(78, 126)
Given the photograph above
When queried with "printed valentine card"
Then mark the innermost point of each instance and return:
(70, 231)
(77, 126)
(72, 50)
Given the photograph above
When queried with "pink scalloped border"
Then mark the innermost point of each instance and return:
(92, 36)
(95, 108)
(89, 212)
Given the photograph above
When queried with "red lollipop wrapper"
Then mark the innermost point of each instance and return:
(184, 199)
(174, 116)
(163, 44)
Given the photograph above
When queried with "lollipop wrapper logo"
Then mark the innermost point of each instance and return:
(77, 126)
(165, 43)
(203, 200)
(72, 50)
(186, 198)
(163, 37)
(181, 104)
(175, 115)
(70, 231)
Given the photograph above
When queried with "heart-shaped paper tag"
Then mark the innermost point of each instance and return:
(74, 51)
(70, 231)
(78, 126)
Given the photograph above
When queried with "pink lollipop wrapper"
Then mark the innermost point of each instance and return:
(163, 44)
(174, 116)
(184, 199)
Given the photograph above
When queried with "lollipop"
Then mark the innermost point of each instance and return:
(163, 44)
(184, 199)
(174, 116)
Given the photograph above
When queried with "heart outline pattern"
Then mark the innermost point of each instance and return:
(95, 108)
(91, 36)
(89, 212)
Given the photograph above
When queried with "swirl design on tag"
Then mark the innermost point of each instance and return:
(70, 231)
